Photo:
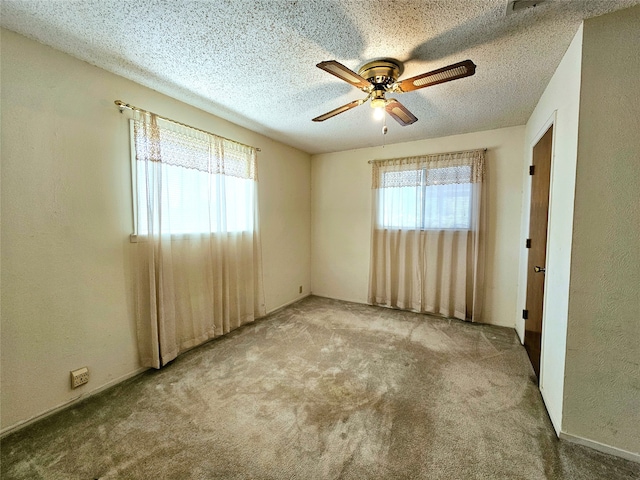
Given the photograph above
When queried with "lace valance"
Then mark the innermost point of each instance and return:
(178, 145)
(438, 169)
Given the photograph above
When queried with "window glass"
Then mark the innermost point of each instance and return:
(426, 200)
(183, 200)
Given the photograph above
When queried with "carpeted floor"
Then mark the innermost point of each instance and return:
(320, 390)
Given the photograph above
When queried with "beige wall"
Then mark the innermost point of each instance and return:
(559, 105)
(341, 216)
(66, 217)
(602, 387)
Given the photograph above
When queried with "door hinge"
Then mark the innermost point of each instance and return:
(525, 314)
(532, 169)
(527, 244)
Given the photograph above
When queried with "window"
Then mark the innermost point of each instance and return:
(426, 198)
(198, 266)
(189, 190)
(427, 238)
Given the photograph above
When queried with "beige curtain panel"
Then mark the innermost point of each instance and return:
(427, 242)
(198, 255)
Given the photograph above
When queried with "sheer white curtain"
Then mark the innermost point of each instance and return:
(427, 243)
(198, 256)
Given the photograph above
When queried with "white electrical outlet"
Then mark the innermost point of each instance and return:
(79, 377)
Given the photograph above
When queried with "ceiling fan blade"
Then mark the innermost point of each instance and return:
(441, 75)
(399, 112)
(343, 73)
(343, 108)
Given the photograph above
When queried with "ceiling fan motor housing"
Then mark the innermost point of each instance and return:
(381, 73)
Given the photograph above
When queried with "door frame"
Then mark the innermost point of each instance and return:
(551, 121)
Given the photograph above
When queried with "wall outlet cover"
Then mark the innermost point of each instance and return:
(79, 377)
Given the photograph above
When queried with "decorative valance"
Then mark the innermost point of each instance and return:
(191, 148)
(437, 169)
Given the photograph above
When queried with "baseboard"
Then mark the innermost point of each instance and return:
(17, 426)
(284, 305)
(350, 300)
(601, 447)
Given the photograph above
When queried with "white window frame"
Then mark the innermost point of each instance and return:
(421, 201)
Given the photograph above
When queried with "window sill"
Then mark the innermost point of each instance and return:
(136, 238)
(406, 229)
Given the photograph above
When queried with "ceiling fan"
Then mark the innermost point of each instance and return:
(379, 77)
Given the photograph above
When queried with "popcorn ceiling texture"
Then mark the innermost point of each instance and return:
(253, 62)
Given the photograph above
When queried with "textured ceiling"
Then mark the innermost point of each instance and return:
(253, 62)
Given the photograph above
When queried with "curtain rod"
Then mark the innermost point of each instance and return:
(428, 155)
(121, 105)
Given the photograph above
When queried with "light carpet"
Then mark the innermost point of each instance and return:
(322, 389)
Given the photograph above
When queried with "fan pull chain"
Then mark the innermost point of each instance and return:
(384, 128)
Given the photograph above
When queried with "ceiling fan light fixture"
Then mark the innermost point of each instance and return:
(378, 103)
(378, 113)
